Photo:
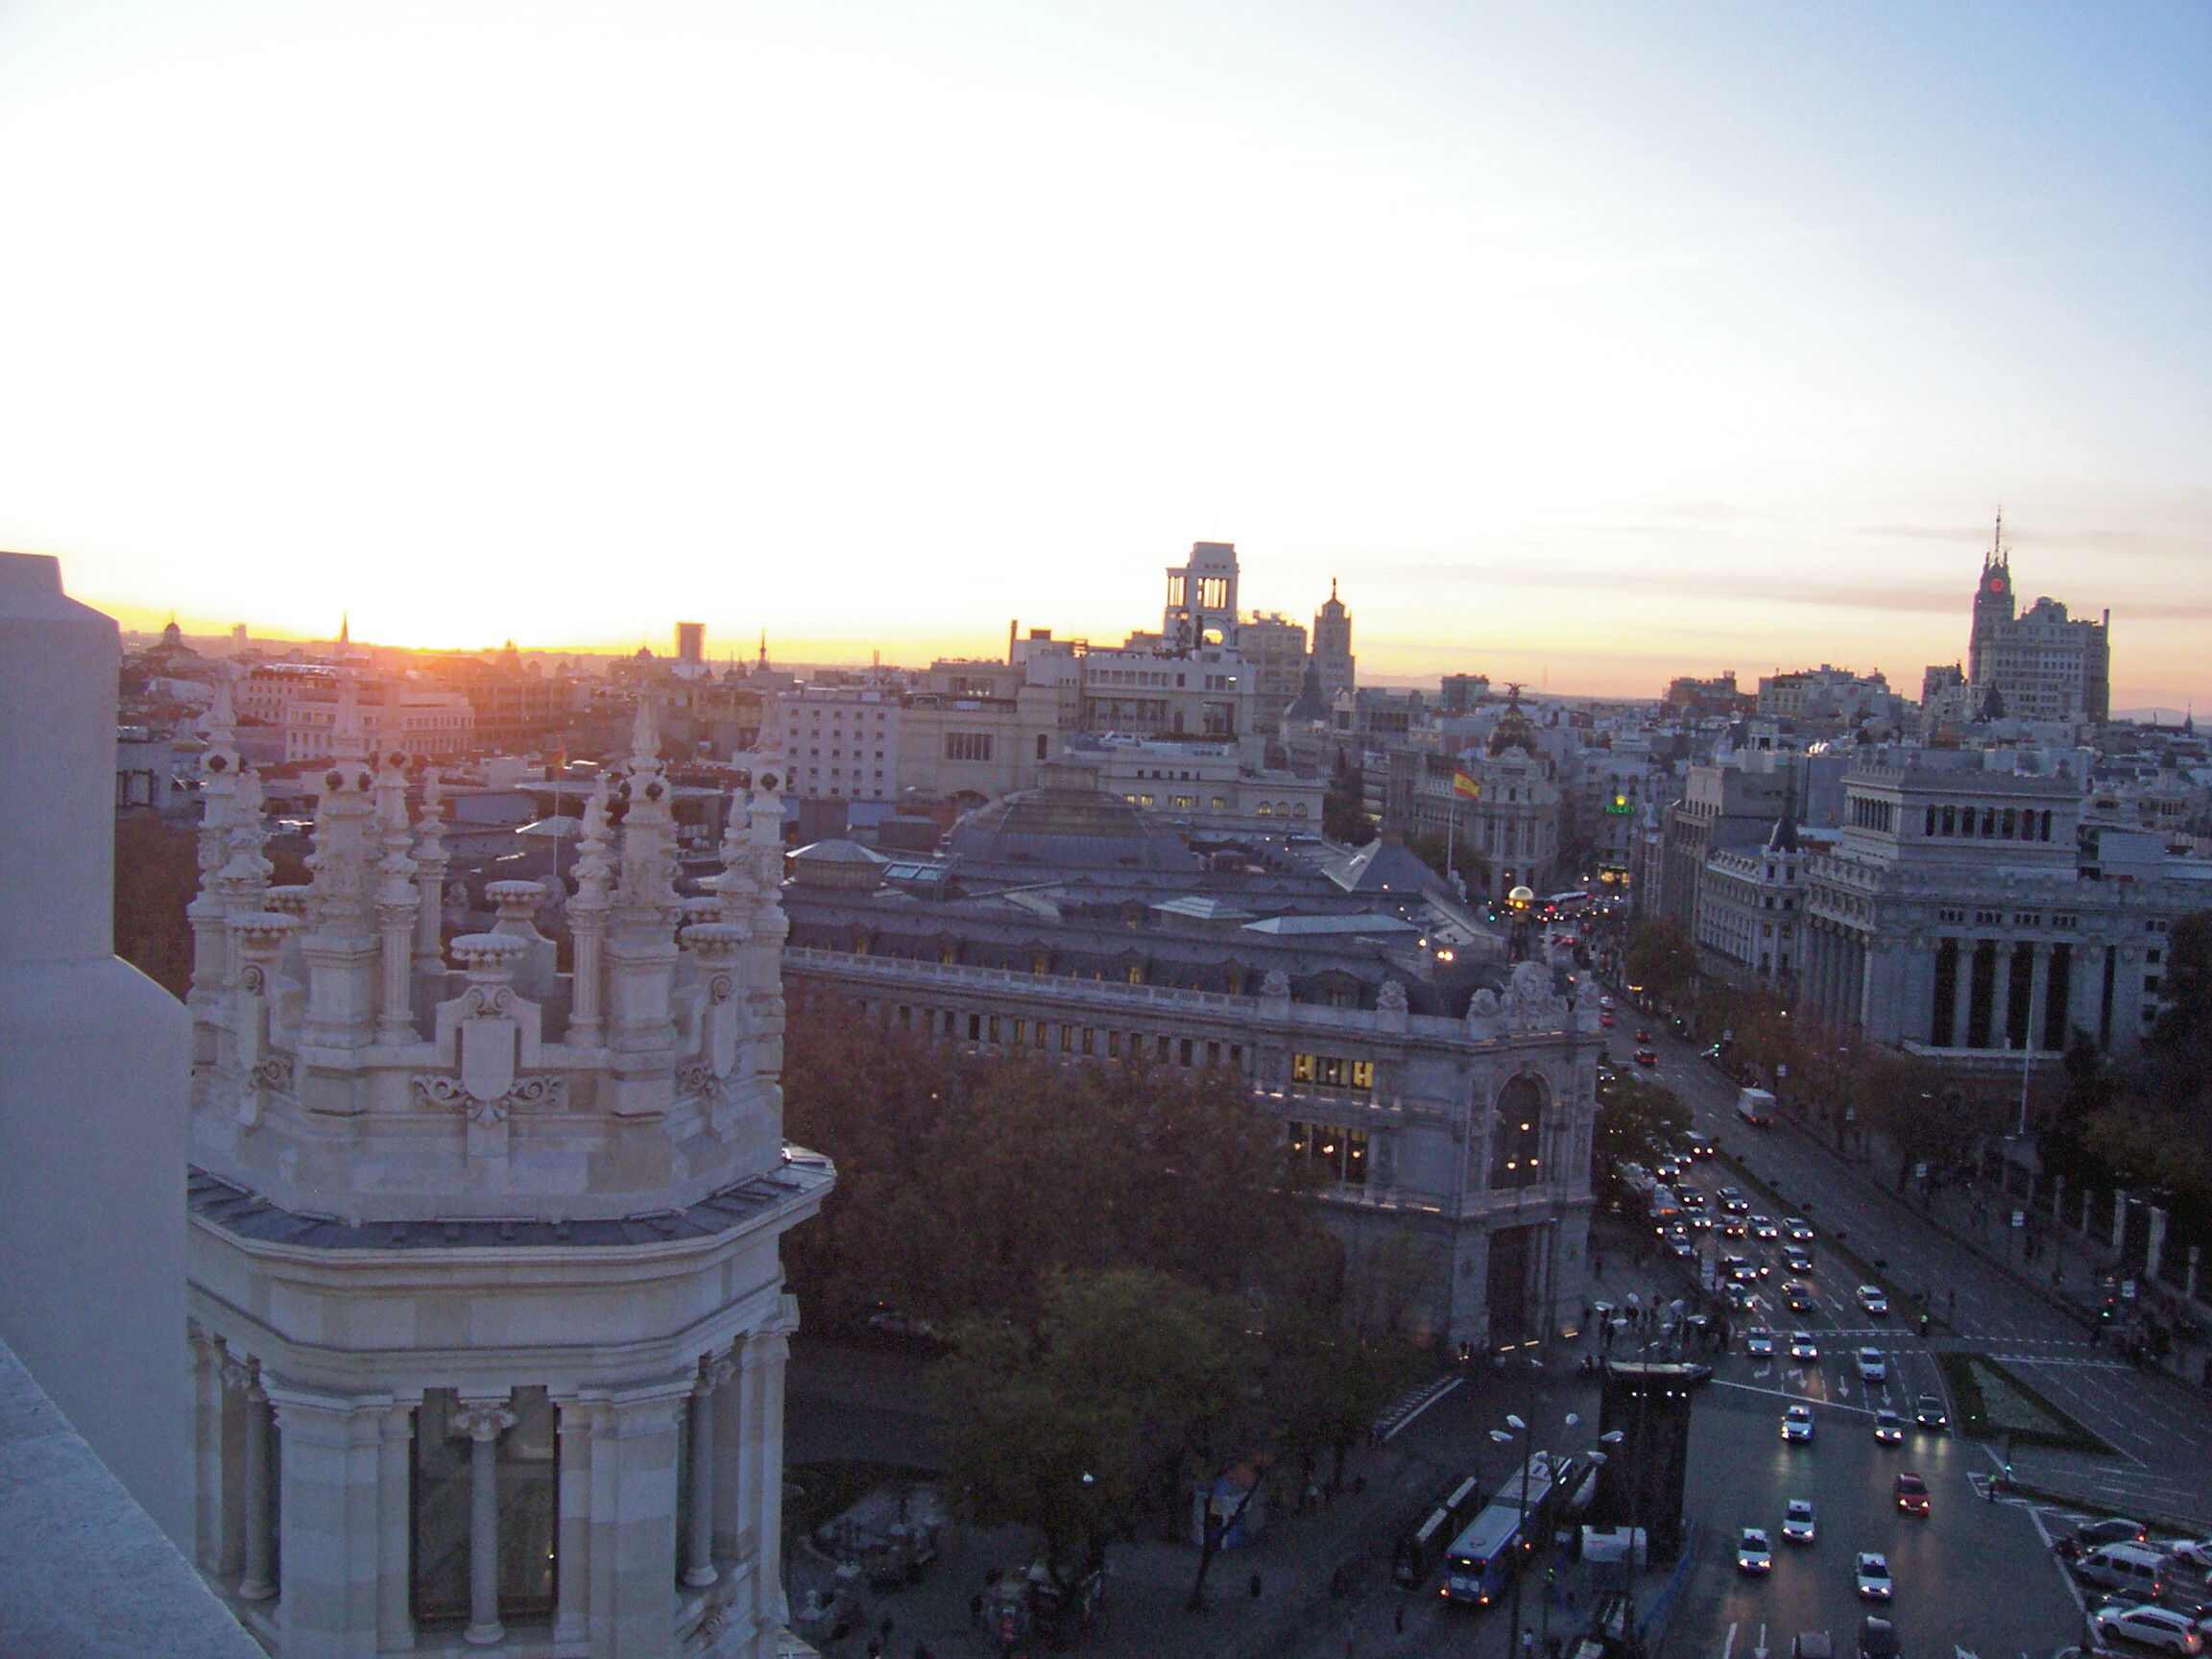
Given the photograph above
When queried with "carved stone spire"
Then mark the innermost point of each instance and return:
(430, 859)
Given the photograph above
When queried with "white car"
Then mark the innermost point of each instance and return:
(1797, 1523)
(1873, 1578)
(1874, 1300)
(1753, 1554)
(1759, 1342)
(2197, 1554)
(2149, 1627)
(1873, 1365)
(1799, 1229)
(1797, 1423)
(1802, 1348)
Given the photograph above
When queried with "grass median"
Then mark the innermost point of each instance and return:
(1995, 1402)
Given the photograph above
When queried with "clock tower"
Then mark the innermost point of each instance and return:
(1993, 603)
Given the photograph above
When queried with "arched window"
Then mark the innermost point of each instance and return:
(1517, 1142)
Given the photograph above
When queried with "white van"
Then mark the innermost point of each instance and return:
(1756, 1107)
(2133, 1569)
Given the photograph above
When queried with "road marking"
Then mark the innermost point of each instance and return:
(1443, 1388)
(1729, 1646)
(1760, 1652)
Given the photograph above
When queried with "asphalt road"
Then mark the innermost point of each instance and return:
(2161, 1435)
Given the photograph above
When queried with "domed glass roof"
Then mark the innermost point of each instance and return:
(1068, 828)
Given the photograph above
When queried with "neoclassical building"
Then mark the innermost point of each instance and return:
(487, 1327)
(1448, 1099)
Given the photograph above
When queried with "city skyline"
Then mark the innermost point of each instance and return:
(1585, 350)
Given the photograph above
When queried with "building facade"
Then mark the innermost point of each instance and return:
(487, 1323)
(2039, 664)
(1450, 1099)
(1956, 917)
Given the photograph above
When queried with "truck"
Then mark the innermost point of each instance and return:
(1756, 1107)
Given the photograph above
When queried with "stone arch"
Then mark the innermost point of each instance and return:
(1517, 1141)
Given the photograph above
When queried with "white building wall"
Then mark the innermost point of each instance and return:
(93, 1061)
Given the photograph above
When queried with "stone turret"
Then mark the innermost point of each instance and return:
(459, 1206)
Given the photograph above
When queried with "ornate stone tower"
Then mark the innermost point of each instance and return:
(486, 1317)
(1332, 645)
(1993, 604)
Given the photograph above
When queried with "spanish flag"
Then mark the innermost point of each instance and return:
(1464, 786)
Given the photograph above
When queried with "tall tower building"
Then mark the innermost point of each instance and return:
(2035, 664)
(1994, 602)
(1332, 644)
(487, 1321)
(1201, 605)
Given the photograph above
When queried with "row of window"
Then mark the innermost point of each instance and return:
(1341, 1153)
(1014, 1031)
(1989, 823)
(1333, 1072)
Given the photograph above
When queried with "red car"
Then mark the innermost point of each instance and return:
(1645, 1057)
(1911, 1493)
(1643, 1036)
(1605, 1019)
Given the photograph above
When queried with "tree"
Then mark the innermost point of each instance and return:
(1344, 805)
(1662, 962)
(966, 1181)
(1637, 1120)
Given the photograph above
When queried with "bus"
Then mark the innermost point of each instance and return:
(1484, 1557)
(1420, 1551)
(1567, 904)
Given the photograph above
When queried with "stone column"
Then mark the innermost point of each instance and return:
(767, 1498)
(207, 1447)
(2001, 998)
(2189, 1277)
(2155, 1251)
(1963, 992)
(2039, 995)
(699, 1524)
(395, 1528)
(483, 1422)
(572, 1544)
(2119, 1222)
(258, 1583)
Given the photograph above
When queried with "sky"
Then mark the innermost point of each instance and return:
(1586, 345)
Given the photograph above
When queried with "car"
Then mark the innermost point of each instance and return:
(1684, 1248)
(1873, 1365)
(1910, 1493)
(1698, 1146)
(1928, 1411)
(1605, 1018)
(2147, 1626)
(1797, 1423)
(1888, 1428)
(1697, 1222)
(2094, 1534)
(1797, 1523)
(1732, 1227)
(1759, 1342)
(1691, 1197)
(1667, 1170)
(1763, 1227)
(1741, 1300)
(1643, 1036)
(1799, 1229)
(1798, 1262)
(1753, 1554)
(1874, 1300)
(1802, 1348)
(1872, 1577)
(1734, 1201)
(1738, 1269)
(1877, 1638)
(1797, 1296)
(1606, 1002)
(2192, 1555)
(1645, 1057)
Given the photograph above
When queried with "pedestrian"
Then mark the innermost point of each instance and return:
(1255, 1587)
(1527, 1645)
(875, 1648)
(1599, 1262)
(885, 1627)
(976, 1612)
(1398, 1619)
